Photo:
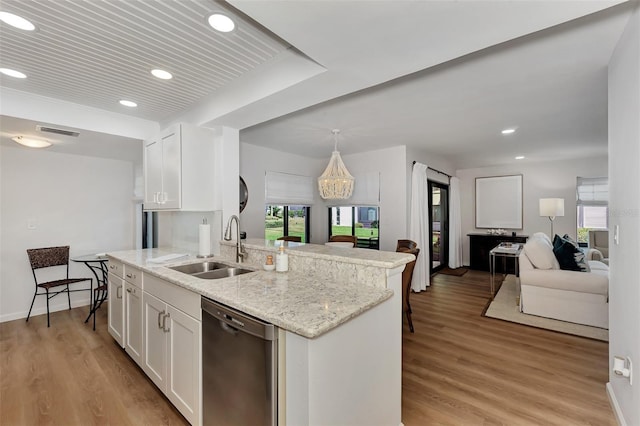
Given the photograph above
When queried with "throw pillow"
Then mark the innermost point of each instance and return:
(540, 253)
(569, 255)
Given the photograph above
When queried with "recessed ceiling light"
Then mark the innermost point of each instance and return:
(31, 143)
(16, 21)
(520, 157)
(508, 131)
(162, 74)
(12, 73)
(129, 104)
(220, 22)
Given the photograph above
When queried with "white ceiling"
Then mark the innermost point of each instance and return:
(445, 77)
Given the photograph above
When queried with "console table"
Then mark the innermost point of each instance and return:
(482, 243)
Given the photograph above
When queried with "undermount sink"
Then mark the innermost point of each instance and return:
(210, 270)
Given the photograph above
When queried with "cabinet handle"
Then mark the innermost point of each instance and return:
(128, 290)
(119, 292)
(165, 326)
(160, 314)
(129, 276)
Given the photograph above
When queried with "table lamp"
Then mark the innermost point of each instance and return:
(551, 207)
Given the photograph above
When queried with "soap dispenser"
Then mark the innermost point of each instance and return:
(282, 261)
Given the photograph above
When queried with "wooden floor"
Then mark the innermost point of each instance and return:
(459, 369)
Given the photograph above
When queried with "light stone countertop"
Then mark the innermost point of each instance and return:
(303, 303)
(360, 256)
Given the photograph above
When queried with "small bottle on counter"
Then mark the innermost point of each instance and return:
(282, 261)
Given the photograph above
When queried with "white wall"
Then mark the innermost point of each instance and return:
(391, 163)
(540, 180)
(624, 212)
(83, 202)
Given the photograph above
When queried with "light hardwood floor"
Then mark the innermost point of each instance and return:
(459, 368)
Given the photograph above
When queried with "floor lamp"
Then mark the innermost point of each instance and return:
(551, 207)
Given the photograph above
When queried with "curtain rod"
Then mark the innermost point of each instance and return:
(436, 170)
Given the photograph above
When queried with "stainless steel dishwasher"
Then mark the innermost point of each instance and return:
(239, 368)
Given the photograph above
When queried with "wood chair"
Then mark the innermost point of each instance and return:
(47, 258)
(293, 238)
(407, 276)
(344, 239)
(407, 244)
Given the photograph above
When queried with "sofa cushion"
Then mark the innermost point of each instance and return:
(540, 253)
(569, 255)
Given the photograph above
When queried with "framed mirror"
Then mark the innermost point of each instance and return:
(499, 202)
(244, 194)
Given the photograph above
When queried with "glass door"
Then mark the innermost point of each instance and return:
(439, 225)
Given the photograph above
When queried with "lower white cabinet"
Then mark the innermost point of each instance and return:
(172, 355)
(133, 322)
(116, 308)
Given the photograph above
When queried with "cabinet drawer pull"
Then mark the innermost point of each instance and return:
(129, 276)
(160, 314)
(119, 292)
(165, 326)
(128, 290)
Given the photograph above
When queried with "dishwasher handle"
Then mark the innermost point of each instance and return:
(239, 321)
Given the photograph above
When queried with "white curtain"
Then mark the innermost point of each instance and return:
(419, 226)
(455, 224)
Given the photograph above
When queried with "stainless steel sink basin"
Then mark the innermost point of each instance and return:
(196, 268)
(210, 270)
(222, 273)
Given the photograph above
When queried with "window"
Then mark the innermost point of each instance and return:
(287, 198)
(592, 206)
(286, 221)
(361, 221)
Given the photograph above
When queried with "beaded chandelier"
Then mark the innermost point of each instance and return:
(336, 183)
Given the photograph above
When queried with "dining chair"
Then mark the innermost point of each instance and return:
(344, 239)
(293, 238)
(407, 276)
(50, 257)
(407, 244)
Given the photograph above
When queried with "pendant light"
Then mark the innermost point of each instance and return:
(336, 183)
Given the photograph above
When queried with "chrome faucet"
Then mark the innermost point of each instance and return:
(240, 253)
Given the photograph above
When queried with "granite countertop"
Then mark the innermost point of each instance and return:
(299, 302)
(361, 256)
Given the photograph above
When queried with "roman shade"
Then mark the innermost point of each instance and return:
(593, 191)
(288, 189)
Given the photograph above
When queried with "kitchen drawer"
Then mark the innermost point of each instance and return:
(116, 268)
(133, 275)
(185, 300)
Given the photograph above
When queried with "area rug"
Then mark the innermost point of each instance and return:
(458, 272)
(504, 307)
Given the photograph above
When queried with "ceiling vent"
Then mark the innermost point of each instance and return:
(57, 131)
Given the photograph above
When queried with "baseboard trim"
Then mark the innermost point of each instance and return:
(43, 310)
(615, 406)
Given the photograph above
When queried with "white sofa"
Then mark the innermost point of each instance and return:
(548, 291)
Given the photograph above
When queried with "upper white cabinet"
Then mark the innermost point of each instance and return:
(180, 167)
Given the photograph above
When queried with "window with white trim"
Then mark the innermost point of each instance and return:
(288, 198)
(592, 205)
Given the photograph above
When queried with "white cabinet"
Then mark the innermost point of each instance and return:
(133, 321)
(180, 167)
(171, 349)
(116, 301)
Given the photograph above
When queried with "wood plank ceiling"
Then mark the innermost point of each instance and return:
(98, 52)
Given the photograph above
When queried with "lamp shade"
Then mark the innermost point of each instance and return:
(551, 207)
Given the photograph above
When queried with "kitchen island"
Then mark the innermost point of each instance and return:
(339, 315)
